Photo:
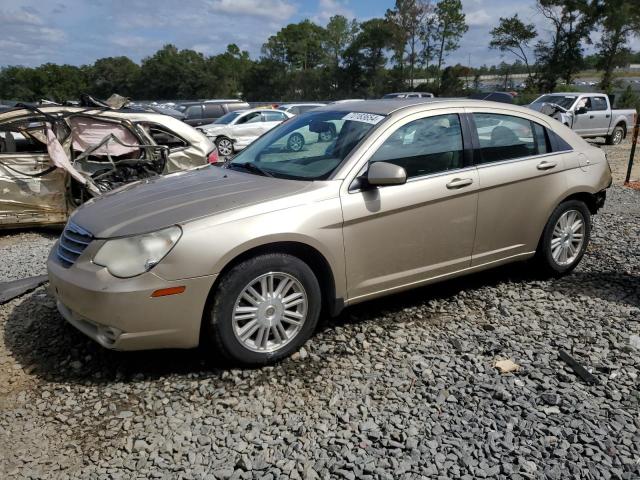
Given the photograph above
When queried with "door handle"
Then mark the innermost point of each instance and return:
(547, 165)
(607, 116)
(459, 183)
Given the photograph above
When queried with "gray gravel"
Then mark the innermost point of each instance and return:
(22, 254)
(398, 388)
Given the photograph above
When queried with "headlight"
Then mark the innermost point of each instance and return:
(131, 256)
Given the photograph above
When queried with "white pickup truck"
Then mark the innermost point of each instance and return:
(588, 114)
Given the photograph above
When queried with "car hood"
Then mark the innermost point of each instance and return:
(178, 198)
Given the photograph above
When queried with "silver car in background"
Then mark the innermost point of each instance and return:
(235, 130)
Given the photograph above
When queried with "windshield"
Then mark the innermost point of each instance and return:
(307, 147)
(565, 101)
(227, 118)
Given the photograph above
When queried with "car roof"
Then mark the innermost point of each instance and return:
(257, 109)
(302, 104)
(389, 106)
(407, 93)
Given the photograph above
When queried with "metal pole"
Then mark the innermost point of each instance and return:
(634, 142)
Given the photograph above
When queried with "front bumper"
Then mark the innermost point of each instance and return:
(120, 314)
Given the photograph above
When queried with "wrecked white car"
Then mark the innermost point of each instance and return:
(53, 159)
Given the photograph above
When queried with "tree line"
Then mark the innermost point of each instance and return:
(351, 59)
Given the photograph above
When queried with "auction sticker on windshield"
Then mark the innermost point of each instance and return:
(364, 117)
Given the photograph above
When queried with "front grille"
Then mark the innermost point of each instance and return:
(73, 241)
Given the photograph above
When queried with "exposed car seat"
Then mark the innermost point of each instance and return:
(505, 144)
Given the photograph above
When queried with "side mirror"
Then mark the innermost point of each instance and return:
(383, 173)
(581, 111)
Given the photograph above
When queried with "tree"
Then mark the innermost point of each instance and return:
(299, 45)
(407, 19)
(513, 35)
(449, 26)
(561, 57)
(114, 75)
(619, 19)
(339, 34)
(176, 74)
(229, 69)
(368, 51)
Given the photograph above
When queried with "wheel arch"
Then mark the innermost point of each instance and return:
(590, 199)
(311, 256)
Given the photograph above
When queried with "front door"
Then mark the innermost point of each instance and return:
(590, 123)
(402, 235)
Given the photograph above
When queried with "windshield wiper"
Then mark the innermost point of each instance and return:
(251, 167)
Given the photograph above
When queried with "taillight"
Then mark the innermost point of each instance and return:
(213, 157)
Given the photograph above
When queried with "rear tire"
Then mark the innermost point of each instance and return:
(616, 136)
(565, 238)
(295, 142)
(264, 309)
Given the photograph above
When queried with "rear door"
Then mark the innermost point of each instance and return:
(33, 192)
(519, 179)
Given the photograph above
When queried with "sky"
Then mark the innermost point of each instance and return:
(78, 32)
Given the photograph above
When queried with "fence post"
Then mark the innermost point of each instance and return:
(634, 142)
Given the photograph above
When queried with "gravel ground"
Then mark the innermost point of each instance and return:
(618, 156)
(402, 387)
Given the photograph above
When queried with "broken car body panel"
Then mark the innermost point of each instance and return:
(52, 159)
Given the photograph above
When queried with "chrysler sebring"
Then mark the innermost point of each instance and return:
(249, 256)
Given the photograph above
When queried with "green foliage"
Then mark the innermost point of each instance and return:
(572, 22)
(628, 99)
(619, 19)
(513, 35)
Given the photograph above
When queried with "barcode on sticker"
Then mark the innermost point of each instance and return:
(364, 117)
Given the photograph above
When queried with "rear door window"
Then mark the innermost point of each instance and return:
(507, 137)
(425, 146)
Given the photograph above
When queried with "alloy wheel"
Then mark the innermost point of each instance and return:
(295, 142)
(225, 147)
(617, 137)
(270, 312)
(568, 237)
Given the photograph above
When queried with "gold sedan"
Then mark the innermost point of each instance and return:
(406, 193)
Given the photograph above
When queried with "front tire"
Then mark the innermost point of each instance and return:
(565, 238)
(264, 309)
(616, 136)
